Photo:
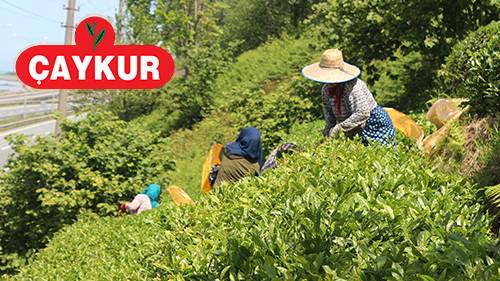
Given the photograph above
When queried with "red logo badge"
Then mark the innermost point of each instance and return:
(95, 62)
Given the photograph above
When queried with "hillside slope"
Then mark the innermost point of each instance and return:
(261, 88)
(339, 210)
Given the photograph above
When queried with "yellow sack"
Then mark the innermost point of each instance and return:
(432, 142)
(212, 160)
(442, 111)
(179, 196)
(405, 124)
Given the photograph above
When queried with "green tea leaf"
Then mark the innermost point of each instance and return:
(99, 38)
(89, 29)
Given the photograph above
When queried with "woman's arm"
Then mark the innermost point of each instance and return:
(362, 103)
(327, 113)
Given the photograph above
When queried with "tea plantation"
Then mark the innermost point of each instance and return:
(337, 211)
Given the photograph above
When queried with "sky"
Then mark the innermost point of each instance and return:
(24, 23)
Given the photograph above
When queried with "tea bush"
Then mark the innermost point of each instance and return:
(98, 161)
(472, 70)
(338, 211)
(268, 64)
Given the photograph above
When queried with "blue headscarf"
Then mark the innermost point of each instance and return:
(248, 145)
(153, 192)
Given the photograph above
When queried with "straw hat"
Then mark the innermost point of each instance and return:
(331, 68)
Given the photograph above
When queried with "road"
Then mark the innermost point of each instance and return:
(39, 129)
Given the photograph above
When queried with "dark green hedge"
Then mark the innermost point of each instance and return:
(472, 70)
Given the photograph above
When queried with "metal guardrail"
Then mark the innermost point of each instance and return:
(24, 122)
(27, 98)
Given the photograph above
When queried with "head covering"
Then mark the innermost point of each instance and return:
(153, 192)
(248, 145)
(331, 68)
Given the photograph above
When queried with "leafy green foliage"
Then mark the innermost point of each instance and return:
(140, 23)
(274, 112)
(189, 147)
(130, 104)
(412, 36)
(472, 70)
(372, 29)
(270, 62)
(493, 192)
(263, 88)
(189, 31)
(335, 211)
(98, 161)
(396, 85)
(184, 102)
(253, 22)
(489, 172)
(177, 25)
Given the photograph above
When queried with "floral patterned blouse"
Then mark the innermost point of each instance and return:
(346, 107)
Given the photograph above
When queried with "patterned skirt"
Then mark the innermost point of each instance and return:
(379, 127)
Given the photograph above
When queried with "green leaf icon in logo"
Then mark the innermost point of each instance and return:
(99, 38)
(92, 30)
(89, 29)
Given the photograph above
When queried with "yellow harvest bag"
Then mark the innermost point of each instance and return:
(443, 111)
(432, 142)
(212, 160)
(405, 124)
(179, 196)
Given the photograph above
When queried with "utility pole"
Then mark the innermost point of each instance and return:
(68, 39)
(119, 22)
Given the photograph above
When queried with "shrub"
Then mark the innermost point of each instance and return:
(126, 104)
(253, 22)
(130, 104)
(98, 161)
(336, 211)
(270, 62)
(472, 70)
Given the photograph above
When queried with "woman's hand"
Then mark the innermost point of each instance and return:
(335, 131)
(326, 131)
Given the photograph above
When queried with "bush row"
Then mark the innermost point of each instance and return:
(337, 211)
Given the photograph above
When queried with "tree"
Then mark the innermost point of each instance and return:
(252, 22)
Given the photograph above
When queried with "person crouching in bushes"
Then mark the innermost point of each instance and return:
(144, 201)
(241, 158)
(348, 105)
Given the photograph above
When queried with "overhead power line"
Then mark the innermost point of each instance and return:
(29, 12)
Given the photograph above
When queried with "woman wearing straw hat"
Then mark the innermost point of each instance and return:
(348, 105)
